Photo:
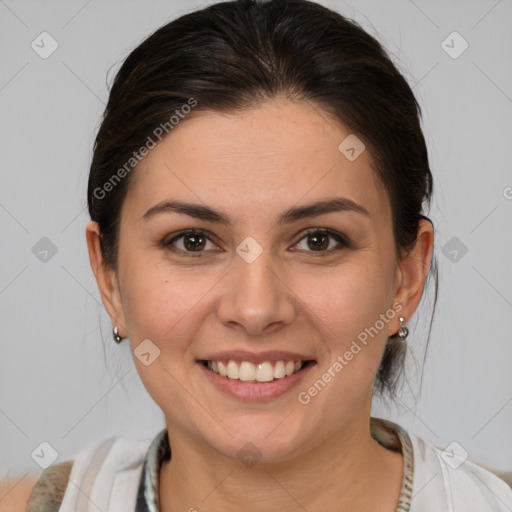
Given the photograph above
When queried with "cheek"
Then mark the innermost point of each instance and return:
(350, 298)
(157, 304)
(165, 308)
(349, 308)
(166, 305)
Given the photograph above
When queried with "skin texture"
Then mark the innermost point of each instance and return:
(253, 165)
(14, 493)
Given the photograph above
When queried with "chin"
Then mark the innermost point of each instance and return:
(258, 439)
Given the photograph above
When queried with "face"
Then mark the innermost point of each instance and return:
(259, 286)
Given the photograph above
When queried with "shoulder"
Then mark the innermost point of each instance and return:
(103, 470)
(49, 490)
(36, 492)
(15, 492)
(448, 479)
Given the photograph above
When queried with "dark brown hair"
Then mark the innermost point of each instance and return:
(234, 55)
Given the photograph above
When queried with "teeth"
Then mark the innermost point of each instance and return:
(279, 370)
(222, 368)
(249, 372)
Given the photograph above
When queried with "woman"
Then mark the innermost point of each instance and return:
(257, 233)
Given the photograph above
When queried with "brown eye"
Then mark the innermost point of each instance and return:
(319, 240)
(191, 241)
(194, 242)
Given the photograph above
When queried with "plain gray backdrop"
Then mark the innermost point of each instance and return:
(64, 382)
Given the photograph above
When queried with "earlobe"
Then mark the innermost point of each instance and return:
(106, 277)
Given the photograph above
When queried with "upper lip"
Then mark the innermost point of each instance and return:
(255, 358)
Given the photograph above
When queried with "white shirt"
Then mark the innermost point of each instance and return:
(112, 475)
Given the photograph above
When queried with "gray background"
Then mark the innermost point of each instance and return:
(62, 379)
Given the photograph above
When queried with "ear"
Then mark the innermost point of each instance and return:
(106, 278)
(412, 272)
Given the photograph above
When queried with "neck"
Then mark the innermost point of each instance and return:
(347, 471)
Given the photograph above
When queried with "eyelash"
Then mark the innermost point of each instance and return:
(341, 239)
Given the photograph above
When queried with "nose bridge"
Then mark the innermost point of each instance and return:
(253, 268)
(256, 295)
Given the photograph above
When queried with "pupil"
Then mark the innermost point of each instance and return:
(195, 244)
(320, 245)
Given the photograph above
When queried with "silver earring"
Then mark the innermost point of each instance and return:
(117, 337)
(403, 332)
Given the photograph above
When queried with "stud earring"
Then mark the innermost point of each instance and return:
(117, 337)
(403, 332)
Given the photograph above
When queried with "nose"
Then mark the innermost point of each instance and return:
(256, 297)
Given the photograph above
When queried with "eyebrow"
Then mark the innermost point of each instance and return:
(294, 214)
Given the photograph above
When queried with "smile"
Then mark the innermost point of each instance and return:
(265, 371)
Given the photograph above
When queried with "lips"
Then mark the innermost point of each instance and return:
(254, 390)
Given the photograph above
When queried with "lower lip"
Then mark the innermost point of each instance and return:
(255, 390)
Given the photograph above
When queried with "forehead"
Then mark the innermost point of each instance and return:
(279, 152)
